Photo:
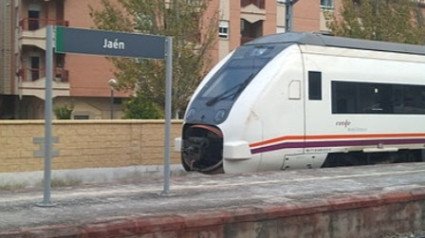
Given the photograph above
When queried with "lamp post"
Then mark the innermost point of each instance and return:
(289, 4)
(112, 83)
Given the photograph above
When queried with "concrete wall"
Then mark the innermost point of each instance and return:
(360, 216)
(348, 217)
(86, 144)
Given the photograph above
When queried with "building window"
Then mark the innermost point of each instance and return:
(34, 68)
(250, 31)
(258, 3)
(33, 17)
(327, 4)
(33, 20)
(81, 117)
(117, 101)
(223, 29)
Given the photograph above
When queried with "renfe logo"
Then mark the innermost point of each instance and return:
(345, 123)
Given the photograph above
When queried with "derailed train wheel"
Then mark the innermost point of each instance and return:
(202, 149)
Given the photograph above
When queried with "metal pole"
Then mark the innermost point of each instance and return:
(112, 83)
(289, 5)
(48, 120)
(168, 88)
(112, 103)
(288, 8)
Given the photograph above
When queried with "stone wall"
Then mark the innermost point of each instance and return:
(86, 144)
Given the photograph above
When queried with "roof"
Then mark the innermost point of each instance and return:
(341, 42)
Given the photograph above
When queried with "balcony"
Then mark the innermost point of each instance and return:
(34, 81)
(34, 74)
(33, 31)
(32, 24)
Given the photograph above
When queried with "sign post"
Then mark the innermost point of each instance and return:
(48, 120)
(168, 89)
(107, 43)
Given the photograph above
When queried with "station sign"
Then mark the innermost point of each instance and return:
(106, 43)
(109, 43)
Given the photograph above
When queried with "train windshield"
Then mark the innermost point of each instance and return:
(236, 74)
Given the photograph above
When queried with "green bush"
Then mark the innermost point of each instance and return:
(142, 108)
(64, 112)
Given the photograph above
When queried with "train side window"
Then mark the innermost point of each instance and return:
(344, 97)
(381, 98)
(375, 98)
(314, 85)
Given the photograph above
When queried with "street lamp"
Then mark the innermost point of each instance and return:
(112, 83)
(288, 13)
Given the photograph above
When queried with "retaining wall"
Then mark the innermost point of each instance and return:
(86, 144)
(348, 217)
(380, 216)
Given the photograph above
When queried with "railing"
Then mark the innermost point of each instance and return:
(259, 3)
(32, 24)
(34, 74)
(62, 74)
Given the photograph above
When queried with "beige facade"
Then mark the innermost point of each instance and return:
(80, 80)
(7, 44)
(245, 20)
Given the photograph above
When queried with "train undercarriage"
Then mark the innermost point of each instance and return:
(360, 158)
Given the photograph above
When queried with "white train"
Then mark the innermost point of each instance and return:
(301, 100)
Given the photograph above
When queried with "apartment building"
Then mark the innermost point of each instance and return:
(79, 80)
(82, 80)
(245, 20)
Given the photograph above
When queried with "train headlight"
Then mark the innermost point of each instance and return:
(220, 115)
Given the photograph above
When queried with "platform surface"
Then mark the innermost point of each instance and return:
(194, 193)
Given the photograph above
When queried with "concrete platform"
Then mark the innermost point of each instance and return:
(369, 201)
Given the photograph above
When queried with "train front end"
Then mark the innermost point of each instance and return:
(215, 121)
(202, 148)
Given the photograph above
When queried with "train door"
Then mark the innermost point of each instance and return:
(308, 158)
(317, 118)
(291, 126)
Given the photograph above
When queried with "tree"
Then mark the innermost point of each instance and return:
(382, 20)
(142, 108)
(193, 35)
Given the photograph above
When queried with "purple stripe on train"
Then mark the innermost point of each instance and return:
(310, 144)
